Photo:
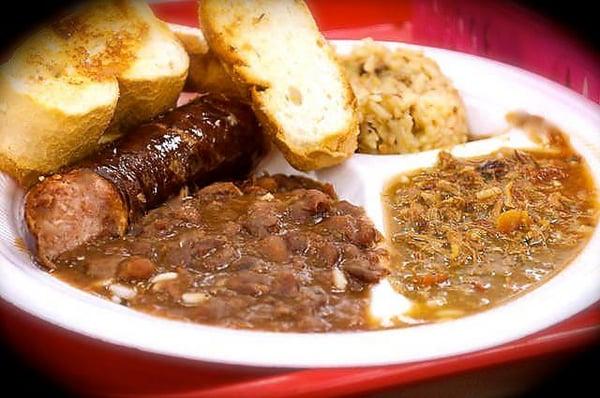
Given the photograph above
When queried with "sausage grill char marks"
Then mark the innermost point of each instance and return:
(209, 139)
(212, 138)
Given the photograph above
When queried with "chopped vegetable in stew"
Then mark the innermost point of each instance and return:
(468, 234)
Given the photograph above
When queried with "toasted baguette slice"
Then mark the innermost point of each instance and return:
(193, 39)
(298, 90)
(51, 111)
(153, 81)
(206, 73)
(107, 65)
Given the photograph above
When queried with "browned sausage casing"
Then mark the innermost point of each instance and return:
(209, 139)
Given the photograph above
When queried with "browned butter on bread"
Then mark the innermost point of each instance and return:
(297, 88)
(85, 78)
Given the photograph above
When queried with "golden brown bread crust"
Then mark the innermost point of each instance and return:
(82, 81)
(140, 101)
(37, 137)
(332, 150)
(207, 74)
(25, 177)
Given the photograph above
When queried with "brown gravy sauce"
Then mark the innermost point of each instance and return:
(274, 253)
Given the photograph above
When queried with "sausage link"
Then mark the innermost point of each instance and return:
(211, 138)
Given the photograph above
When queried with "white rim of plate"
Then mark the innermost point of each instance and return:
(572, 290)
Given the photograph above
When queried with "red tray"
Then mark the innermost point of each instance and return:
(95, 368)
(500, 31)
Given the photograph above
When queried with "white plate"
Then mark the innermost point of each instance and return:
(490, 90)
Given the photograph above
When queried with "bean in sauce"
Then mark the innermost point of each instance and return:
(273, 253)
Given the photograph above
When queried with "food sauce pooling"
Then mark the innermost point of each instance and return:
(468, 234)
(274, 253)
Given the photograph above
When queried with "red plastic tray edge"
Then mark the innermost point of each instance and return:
(577, 332)
(342, 20)
(359, 18)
